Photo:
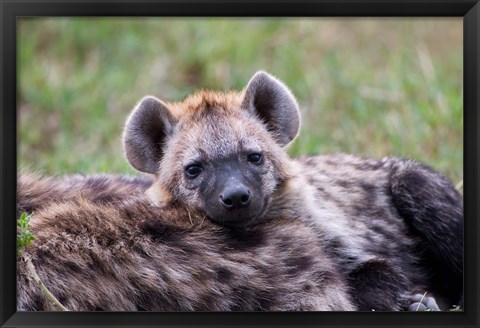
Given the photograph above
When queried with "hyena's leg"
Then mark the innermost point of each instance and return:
(379, 286)
(433, 211)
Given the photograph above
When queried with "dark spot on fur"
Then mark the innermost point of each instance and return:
(378, 229)
(297, 264)
(224, 275)
(368, 165)
(307, 287)
(188, 249)
(324, 193)
(42, 257)
(358, 209)
(244, 239)
(369, 188)
(38, 302)
(73, 267)
(331, 162)
(344, 183)
(335, 243)
(62, 298)
(104, 198)
(161, 232)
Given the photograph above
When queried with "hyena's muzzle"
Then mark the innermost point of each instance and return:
(235, 198)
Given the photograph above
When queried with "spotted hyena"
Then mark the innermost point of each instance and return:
(378, 233)
(101, 246)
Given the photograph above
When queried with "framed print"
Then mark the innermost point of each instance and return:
(229, 163)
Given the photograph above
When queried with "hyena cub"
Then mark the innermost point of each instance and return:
(394, 227)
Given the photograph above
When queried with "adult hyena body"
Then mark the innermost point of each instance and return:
(392, 227)
(101, 246)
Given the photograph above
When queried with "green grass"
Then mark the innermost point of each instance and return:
(24, 236)
(374, 87)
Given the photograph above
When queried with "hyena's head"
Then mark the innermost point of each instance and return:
(218, 153)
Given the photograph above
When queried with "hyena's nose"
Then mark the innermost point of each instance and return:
(234, 198)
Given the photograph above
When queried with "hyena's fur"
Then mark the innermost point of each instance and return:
(392, 227)
(119, 253)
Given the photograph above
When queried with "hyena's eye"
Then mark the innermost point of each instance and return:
(255, 158)
(192, 171)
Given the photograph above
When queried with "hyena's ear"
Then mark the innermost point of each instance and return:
(275, 104)
(145, 133)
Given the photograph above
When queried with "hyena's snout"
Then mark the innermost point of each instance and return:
(235, 196)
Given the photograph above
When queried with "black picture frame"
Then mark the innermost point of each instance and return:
(11, 10)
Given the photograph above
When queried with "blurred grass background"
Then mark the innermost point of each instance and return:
(373, 87)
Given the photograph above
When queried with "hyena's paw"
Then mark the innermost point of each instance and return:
(422, 302)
